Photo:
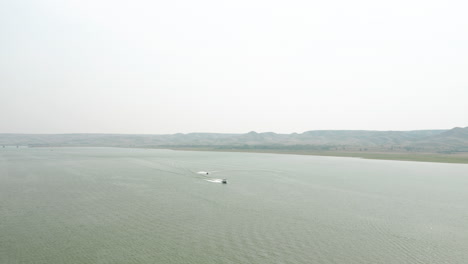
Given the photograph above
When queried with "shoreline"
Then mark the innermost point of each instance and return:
(419, 157)
(456, 158)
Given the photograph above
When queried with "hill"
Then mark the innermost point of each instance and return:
(419, 145)
(455, 139)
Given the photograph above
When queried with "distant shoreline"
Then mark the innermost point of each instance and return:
(448, 146)
(460, 158)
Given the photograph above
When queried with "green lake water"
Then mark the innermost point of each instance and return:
(117, 205)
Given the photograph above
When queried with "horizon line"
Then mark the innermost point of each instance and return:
(252, 131)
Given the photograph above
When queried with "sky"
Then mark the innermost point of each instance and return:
(159, 67)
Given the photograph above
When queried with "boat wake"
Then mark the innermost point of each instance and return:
(214, 180)
(207, 174)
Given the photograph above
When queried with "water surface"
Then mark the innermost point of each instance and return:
(111, 205)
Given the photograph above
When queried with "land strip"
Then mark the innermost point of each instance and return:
(421, 157)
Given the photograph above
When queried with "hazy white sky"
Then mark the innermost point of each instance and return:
(232, 66)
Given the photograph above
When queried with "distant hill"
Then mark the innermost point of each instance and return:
(453, 140)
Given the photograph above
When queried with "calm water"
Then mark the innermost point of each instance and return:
(110, 205)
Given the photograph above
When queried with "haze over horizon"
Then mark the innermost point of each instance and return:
(144, 67)
(235, 133)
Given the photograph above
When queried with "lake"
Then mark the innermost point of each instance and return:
(122, 205)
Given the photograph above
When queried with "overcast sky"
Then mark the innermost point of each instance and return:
(153, 67)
